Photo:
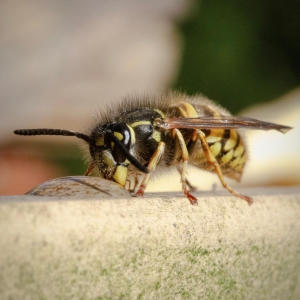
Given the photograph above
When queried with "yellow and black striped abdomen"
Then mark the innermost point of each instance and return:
(227, 146)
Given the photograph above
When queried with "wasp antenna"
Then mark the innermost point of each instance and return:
(127, 154)
(49, 131)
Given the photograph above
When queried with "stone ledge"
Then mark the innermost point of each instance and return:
(157, 247)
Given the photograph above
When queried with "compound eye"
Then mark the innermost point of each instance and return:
(123, 134)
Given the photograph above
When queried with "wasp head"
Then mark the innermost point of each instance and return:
(111, 151)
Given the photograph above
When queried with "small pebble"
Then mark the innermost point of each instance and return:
(83, 186)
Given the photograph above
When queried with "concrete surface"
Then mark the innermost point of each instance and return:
(157, 247)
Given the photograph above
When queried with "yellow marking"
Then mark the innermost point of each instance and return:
(215, 135)
(213, 111)
(239, 150)
(231, 142)
(139, 123)
(119, 136)
(108, 159)
(100, 141)
(241, 163)
(187, 110)
(235, 162)
(156, 136)
(132, 135)
(112, 145)
(243, 159)
(213, 139)
(216, 148)
(227, 157)
(159, 112)
(120, 175)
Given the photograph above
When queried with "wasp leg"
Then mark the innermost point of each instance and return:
(191, 147)
(129, 186)
(182, 169)
(90, 169)
(212, 160)
(151, 167)
(190, 186)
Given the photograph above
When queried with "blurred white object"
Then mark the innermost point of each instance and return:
(62, 60)
(274, 158)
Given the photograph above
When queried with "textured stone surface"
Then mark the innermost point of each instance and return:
(158, 247)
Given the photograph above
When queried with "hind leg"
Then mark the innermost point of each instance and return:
(213, 161)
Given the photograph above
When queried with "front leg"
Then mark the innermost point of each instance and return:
(151, 167)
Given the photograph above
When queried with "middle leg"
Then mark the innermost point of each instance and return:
(183, 167)
(213, 161)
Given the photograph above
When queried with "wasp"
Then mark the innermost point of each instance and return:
(144, 134)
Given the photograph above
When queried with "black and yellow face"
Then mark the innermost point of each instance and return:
(112, 143)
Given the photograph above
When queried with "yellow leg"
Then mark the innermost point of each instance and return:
(212, 160)
(151, 167)
(182, 169)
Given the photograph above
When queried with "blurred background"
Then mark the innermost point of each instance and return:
(62, 61)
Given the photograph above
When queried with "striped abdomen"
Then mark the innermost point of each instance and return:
(227, 146)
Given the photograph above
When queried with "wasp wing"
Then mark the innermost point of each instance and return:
(220, 122)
